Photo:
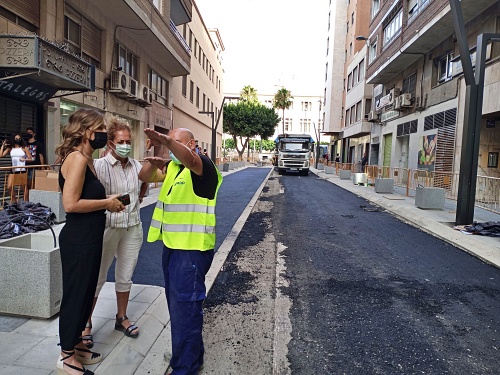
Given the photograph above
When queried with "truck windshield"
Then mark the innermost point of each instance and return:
(295, 146)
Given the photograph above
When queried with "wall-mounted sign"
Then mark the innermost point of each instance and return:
(389, 115)
(34, 69)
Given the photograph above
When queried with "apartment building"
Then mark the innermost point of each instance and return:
(419, 88)
(119, 57)
(345, 82)
(202, 89)
(305, 116)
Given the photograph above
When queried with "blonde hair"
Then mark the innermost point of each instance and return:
(79, 122)
(116, 124)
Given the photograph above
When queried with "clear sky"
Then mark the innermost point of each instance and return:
(271, 43)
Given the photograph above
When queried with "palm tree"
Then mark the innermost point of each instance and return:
(249, 94)
(282, 100)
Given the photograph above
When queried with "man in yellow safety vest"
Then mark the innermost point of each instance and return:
(184, 219)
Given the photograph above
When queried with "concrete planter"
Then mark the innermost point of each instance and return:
(330, 170)
(359, 179)
(321, 166)
(430, 198)
(384, 185)
(51, 199)
(344, 174)
(31, 276)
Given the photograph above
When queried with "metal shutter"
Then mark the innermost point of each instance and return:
(29, 10)
(91, 40)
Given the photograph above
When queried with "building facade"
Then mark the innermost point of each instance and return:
(124, 58)
(419, 89)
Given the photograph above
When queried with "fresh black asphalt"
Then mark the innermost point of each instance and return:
(235, 193)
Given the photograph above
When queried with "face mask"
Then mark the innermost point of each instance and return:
(174, 158)
(122, 150)
(100, 140)
(18, 141)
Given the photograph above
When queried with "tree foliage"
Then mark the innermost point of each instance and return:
(249, 94)
(245, 120)
(283, 100)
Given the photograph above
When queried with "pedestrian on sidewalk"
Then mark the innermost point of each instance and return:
(119, 174)
(80, 241)
(184, 219)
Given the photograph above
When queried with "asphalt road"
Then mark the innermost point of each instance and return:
(235, 193)
(369, 294)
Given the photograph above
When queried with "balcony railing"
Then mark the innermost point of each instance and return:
(179, 37)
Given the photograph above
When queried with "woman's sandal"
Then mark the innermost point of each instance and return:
(127, 331)
(94, 357)
(89, 338)
(61, 364)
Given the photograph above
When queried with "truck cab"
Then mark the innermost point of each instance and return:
(293, 153)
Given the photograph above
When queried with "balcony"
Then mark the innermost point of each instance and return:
(160, 38)
(356, 130)
(431, 26)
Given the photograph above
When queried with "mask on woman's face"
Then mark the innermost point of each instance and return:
(18, 141)
(122, 150)
(99, 141)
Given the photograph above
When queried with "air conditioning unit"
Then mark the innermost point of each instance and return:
(146, 95)
(405, 100)
(373, 116)
(133, 88)
(393, 95)
(120, 83)
(397, 103)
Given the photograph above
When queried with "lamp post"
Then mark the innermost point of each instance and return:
(214, 126)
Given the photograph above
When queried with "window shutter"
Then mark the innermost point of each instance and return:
(91, 40)
(29, 10)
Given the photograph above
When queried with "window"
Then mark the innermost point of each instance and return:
(358, 111)
(195, 48)
(415, 7)
(492, 159)
(375, 7)
(191, 90)
(352, 18)
(355, 76)
(393, 27)
(361, 70)
(288, 124)
(348, 117)
(353, 114)
(159, 87)
(349, 81)
(82, 36)
(18, 19)
(444, 68)
(204, 98)
(184, 86)
(372, 55)
(368, 105)
(126, 60)
(410, 84)
(190, 39)
(197, 97)
(347, 26)
(350, 49)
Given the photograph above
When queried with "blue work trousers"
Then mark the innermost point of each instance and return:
(184, 272)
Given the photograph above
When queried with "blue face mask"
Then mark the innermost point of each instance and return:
(174, 158)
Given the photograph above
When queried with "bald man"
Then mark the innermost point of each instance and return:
(184, 220)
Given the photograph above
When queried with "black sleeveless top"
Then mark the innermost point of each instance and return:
(92, 189)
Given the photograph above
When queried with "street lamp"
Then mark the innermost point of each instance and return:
(362, 37)
(214, 126)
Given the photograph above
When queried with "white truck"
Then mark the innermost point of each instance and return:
(293, 153)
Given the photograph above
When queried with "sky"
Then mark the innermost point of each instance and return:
(271, 44)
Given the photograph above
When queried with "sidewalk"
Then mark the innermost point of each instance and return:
(29, 346)
(438, 223)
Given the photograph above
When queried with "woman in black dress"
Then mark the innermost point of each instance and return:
(80, 240)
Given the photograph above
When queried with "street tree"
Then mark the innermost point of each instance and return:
(245, 120)
(249, 94)
(282, 100)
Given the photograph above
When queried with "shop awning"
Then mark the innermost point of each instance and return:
(34, 69)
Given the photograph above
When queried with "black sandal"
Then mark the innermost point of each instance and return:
(94, 357)
(126, 331)
(90, 337)
(61, 364)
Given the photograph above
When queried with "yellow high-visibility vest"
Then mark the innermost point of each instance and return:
(181, 219)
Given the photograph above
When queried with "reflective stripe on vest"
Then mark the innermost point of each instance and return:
(186, 208)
